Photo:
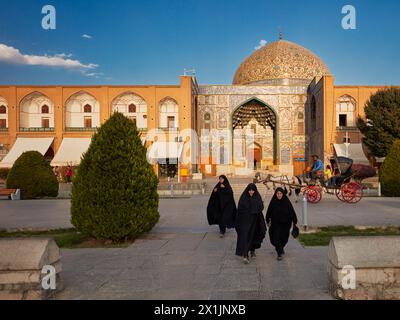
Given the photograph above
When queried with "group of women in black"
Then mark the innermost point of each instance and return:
(248, 219)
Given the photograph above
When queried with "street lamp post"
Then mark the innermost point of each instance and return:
(347, 144)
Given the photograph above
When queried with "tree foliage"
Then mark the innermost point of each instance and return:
(381, 126)
(33, 175)
(114, 192)
(389, 172)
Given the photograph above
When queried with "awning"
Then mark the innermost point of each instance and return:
(165, 150)
(25, 144)
(70, 151)
(355, 152)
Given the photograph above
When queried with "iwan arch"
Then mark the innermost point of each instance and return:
(282, 93)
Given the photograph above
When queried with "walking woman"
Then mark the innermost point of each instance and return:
(221, 208)
(280, 217)
(250, 225)
(68, 174)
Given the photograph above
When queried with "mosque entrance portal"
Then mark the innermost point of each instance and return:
(260, 120)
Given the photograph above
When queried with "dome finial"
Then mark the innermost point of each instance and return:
(280, 33)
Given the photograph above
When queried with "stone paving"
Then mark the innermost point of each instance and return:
(184, 258)
(193, 266)
(39, 214)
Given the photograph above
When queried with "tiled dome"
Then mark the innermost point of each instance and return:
(280, 60)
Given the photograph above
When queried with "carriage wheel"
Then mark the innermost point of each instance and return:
(339, 195)
(352, 192)
(313, 194)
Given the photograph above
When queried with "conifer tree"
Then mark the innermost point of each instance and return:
(114, 193)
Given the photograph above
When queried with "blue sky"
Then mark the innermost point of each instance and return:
(152, 41)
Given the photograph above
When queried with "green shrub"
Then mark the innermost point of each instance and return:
(114, 191)
(4, 173)
(33, 175)
(389, 173)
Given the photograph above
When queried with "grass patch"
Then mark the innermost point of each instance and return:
(323, 236)
(67, 238)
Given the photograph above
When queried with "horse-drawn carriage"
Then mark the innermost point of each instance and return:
(346, 183)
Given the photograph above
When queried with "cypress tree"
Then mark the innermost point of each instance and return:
(114, 192)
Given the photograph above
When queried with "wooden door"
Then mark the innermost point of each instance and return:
(298, 167)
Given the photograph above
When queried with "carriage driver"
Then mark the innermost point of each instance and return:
(317, 170)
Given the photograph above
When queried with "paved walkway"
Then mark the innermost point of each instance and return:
(184, 258)
(178, 214)
(193, 266)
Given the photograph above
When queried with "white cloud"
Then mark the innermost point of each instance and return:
(87, 36)
(94, 74)
(261, 44)
(64, 55)
(12, 55)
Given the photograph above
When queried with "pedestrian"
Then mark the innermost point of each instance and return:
(250, 225)
(280, 217)
(221, 208)
(68, 174)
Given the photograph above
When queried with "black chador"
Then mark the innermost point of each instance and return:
(221, 208)
(280, 217)
(250, 224)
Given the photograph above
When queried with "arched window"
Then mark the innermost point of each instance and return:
(345, 111)
(82, 110)
(45, 109)
(36, 112)
(132, 108)
(168, 113)
(3, 119)
(87, 108)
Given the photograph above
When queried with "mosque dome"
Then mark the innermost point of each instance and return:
(280, 60)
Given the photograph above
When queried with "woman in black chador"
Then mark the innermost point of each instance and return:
(250, 225)
(221, 208)
(280, 217)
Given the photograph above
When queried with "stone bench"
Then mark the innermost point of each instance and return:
(376, 263)
(21, 266)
